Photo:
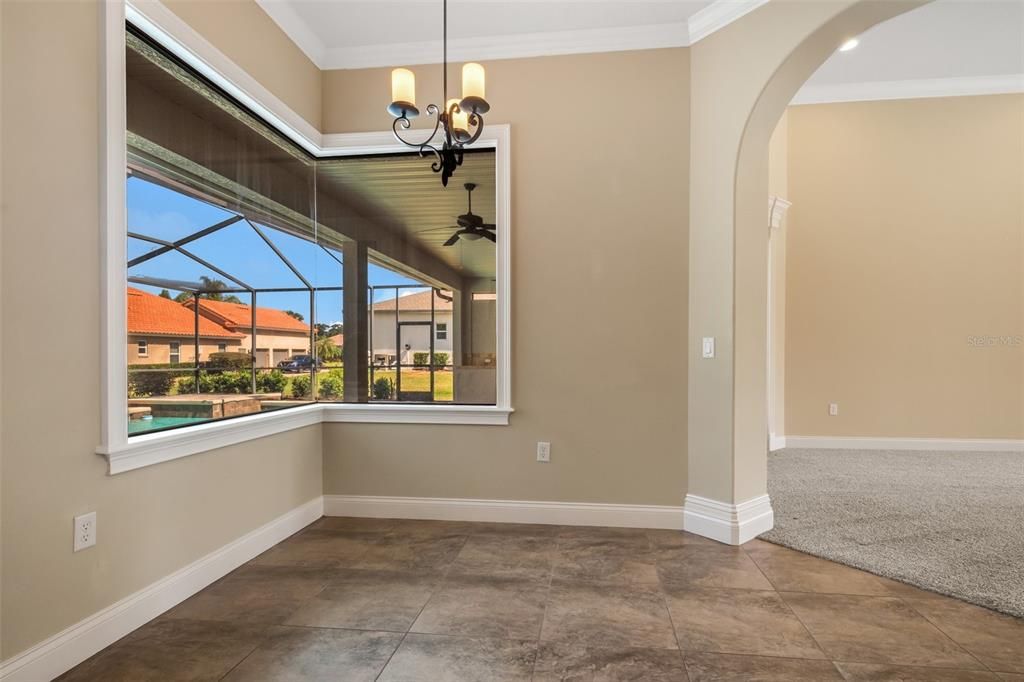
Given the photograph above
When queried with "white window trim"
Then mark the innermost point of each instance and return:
(124, 454)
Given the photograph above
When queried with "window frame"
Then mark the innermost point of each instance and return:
(441, 331)
(167, 29)
(142, 348)
(174, 352)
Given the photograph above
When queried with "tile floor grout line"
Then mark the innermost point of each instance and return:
(544, 614)
(949, 637)
(438, 587)
(804, 626)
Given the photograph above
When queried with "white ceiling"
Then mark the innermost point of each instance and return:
(345, 34)
(977, 43)
(945, 39)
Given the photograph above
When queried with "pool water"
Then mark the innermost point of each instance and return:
(144, 425)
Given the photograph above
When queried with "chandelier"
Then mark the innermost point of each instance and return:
(459, 123)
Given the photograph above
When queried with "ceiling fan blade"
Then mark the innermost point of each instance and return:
(454, 238)
(488, 235)
(489, 226)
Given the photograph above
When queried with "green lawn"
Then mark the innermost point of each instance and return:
(412, 379)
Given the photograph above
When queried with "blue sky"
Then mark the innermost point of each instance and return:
(159, 212)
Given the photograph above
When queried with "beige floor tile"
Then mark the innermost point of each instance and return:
(485, 607)
(627, 559)
(556, 663)
(706, 667)
(368, 600)
(170, 650)
(700, 566)
(254, 594)
(880, 672)
(739, 622)
(506, 556)
(355, 524)
(420, 550)
(607, 616)
(315, 655)
(668, 539)
(318, 548)
(875, 630)
(995, 639)
(792, 571)
(438, 658)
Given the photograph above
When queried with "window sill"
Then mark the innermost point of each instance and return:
(148, 449)
(416, 414)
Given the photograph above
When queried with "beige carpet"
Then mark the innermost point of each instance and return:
(950, 522)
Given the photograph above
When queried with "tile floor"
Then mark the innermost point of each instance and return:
(375, 599)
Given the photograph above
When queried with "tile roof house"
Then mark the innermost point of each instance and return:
(410, 328)
(161, 330)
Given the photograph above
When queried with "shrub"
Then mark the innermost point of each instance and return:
(300, 386)
(420, 359)
(231, 382)
(383, 389)
(142, 384)
(330, 387)
(230, 360)
(271, 382)
(440, 359)
(187, 384)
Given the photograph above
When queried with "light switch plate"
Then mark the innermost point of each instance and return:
(707, 347)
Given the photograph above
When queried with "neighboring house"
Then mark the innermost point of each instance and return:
(410, 328)
(338, 340)
(278, 334)
(161, 330)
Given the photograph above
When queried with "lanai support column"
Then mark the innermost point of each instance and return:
(356, 320)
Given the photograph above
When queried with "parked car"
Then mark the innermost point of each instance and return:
(299, 363)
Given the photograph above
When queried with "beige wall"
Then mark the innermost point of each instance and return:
(152, 521)
(250, 38)
(906, 240)
(778, 186)
(599, 251)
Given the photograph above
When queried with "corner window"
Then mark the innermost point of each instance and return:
(327, 234)
(241, 243)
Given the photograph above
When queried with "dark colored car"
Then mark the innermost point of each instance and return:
(298, 363)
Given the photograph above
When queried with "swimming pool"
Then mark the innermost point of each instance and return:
(143, 425)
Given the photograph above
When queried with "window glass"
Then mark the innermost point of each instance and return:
(262, 278)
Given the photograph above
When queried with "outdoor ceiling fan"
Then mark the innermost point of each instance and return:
(470, 226)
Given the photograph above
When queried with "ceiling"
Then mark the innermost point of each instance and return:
(346, 34)
(946, 39)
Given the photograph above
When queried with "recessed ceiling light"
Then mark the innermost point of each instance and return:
(849, 45)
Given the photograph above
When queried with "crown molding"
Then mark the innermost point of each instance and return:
(718, 15)
(715, 16)
(910, 89)
(515, 46)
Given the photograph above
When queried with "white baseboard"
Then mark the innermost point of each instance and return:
(66, 649)
(506, 511)
(861, 443)
(776, 442)
(732, 524)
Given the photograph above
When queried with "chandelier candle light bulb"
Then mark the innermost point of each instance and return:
(459, 120)
(403, 93)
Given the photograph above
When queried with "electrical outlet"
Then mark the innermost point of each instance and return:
(85, 531)
(543, 452)
(833, 409)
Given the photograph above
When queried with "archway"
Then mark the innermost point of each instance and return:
(742, 78)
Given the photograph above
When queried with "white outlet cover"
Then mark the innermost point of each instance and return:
(543, 452)
(85, 531)
(833, 409)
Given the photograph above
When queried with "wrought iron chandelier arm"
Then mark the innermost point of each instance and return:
(478, 121)
(403, 123)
